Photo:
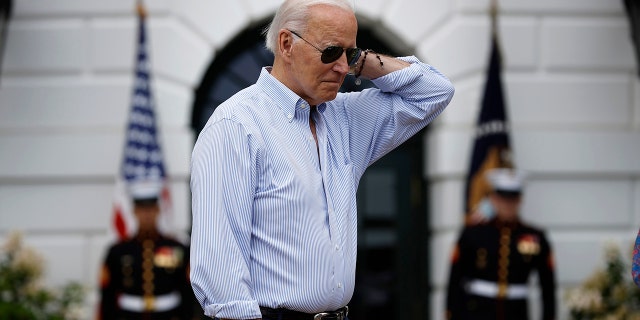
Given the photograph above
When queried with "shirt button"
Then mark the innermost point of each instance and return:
(289, 116)
(337, 248)
(339, 284)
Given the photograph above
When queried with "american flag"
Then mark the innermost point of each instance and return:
(142, 160)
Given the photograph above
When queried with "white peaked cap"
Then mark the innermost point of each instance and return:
(145, 189)
(506, 179)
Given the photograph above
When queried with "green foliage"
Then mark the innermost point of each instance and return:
(608, 294)
(23, 297)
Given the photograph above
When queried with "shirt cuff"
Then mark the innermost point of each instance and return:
(234, 310)
(395, 80)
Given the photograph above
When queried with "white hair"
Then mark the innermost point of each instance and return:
(294, 14)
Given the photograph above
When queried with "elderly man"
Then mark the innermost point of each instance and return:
(276, 168)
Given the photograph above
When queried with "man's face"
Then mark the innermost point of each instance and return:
(146, 215)
(313, 80)
(506, 206)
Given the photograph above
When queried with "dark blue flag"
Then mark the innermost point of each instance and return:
(492, 148)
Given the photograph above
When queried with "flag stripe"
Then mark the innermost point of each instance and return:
(119, 223)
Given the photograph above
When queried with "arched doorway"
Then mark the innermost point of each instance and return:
(392, 275)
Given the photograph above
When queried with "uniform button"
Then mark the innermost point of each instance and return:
(147, 276)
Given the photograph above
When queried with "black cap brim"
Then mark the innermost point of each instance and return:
(509, 193)
(145, 201)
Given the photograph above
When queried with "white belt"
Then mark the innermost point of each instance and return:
(490, 289)
(160, 303)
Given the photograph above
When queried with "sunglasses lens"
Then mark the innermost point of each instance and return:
(353, 54)
(331, 54)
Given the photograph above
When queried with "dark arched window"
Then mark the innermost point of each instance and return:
(392, 275)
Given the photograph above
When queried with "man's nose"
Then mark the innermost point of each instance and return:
(342, 65)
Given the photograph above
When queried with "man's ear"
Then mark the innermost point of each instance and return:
(285, 44)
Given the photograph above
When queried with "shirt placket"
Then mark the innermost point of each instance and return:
(334, 225)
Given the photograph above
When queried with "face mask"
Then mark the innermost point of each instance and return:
(486, 208)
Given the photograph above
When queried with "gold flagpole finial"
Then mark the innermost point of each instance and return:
(142, 12)
(493, 12)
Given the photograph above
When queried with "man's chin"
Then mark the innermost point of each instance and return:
(329, 95)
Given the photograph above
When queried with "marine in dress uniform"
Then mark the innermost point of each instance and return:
(146, 276)
(492, 261)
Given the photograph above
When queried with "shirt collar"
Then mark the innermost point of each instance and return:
(287, 100)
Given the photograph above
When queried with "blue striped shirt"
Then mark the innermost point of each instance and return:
(274, 216)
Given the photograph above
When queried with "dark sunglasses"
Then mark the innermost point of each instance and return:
(333, 53)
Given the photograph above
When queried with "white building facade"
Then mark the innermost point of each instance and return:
(571, 87)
